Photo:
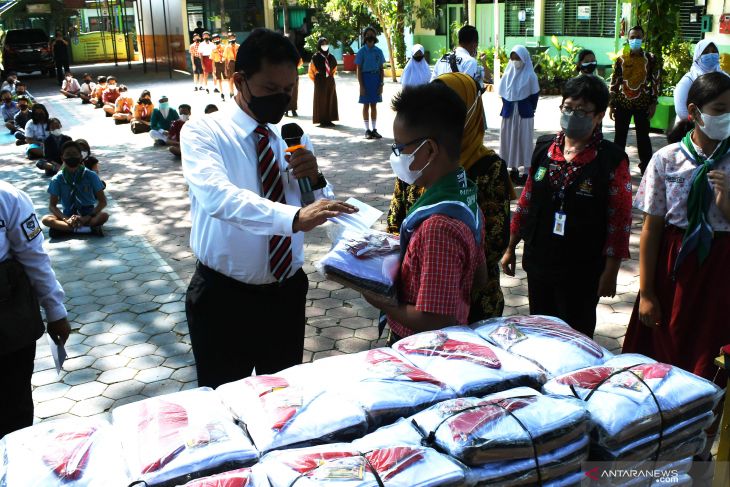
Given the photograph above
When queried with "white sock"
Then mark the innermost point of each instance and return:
(84, 229)
(374, 122)
(367, 124)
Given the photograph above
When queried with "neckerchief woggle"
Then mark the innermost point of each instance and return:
(455, 196)
(698, 234)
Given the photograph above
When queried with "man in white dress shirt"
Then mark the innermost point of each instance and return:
(462, 59)
(245, 303)
(26, 279)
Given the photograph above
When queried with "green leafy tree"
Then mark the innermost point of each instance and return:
(341, 25)
(660, 21)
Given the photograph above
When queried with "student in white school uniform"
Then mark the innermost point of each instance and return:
(417, 71)
(246, 301)
(463, 58)
(520, 92)
(706, 59)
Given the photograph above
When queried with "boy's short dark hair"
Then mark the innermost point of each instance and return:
(101, 79)
(588, 88)
(20, 83)
(265, 44)
(111, 78)
(468, 34)
(639, 28)
(211, 108)
(71, 144)
(434, 110)
(184, 105)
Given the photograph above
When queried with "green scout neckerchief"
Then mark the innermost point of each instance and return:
(73, 180)
(699, 232)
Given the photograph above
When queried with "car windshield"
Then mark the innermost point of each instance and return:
(28, 36)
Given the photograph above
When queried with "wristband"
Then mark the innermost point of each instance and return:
(321, 182)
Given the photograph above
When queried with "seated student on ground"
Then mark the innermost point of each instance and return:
(8, 110)
(10, 82)
(21, 90)
(70, 86)
(86, 91)
(142, 113)
(173, 138)
(91, 162)
(36, 131)
(210, 108)
(96, 98)
(161, 121)
(81, 194)
(110, 95)
(124, 106)
(444, 230)
(51, 161)
(21, 119)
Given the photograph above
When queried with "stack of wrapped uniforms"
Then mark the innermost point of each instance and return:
(382, 382)
(242, 477)
(511, 438)
(458, 357)
(547, 341)
(171, 439)
(364, 261)
(344, 465)
(642, 410)
(69, 452)
(291, 409)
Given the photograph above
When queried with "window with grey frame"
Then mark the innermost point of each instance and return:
(519, 18)
(580, 18)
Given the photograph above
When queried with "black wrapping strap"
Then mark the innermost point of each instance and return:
(370, 465)
(429, 439)
(653, 396)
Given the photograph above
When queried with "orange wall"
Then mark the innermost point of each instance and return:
(160, 42)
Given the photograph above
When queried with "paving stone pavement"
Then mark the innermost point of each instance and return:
(125, 292)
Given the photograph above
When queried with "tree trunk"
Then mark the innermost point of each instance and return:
(399, 40)
(387, 33)
(223, 17)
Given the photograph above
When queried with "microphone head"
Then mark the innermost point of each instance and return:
(292, 133)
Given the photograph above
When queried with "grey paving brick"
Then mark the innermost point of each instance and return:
(78, 363)
(179, 361)
(116, 307)
(123, 389)
(105, 350)
(46, 377)
(146, 362)
(132, 339)
(117, 375)
(356, 323)
(53, 407)
(50, 391)
(92, 406)
(81, 376)
(139, 350)
(144, 307)
(154, 374)
(163, 338)
(90, 317)
(172, 349)
(110, 362)
(186, 374)
(158, 388)
(173, 307)
(94, 328)
(85, 391)
(101, 339)
(128, 400)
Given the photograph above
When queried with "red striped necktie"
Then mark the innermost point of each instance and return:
(280, 253)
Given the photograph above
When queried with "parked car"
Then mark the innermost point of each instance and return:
(27, 50)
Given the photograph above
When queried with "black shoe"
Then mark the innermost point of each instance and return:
(97, 230)
(53, 233)
(230, 95)
(216, 90)
(376, 135)
(207, 91)
(41, 164)
(21, 142)
(368, 134)
(223, 97)
(294, 113)
(196, 89)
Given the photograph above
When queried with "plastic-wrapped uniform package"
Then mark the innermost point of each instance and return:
(242, 477)
(342, 465)
(547, 341)
(383, 382)
(366, 260)
(69, 452)
(171, 439)
(632, 397)
(292, 408)
(465, 362)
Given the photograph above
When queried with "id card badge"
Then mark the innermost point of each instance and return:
(559, 224)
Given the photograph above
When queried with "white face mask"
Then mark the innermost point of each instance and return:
(84, 154)
(184, 117)
(517, 63)
(717, 127)
(401, 166)
(325, 47)
(56, 132)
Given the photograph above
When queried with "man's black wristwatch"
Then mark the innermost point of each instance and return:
(320, 183)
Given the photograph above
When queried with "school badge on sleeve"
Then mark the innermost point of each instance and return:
(540, 174)
(31, 227)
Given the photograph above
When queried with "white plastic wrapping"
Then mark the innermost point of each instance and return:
(171, 439)
(342, 465)
(69, 452)
(626, 408)
(460, 358)
(292, 408)
(242, 477)
(383, 382)
(364, 261)
(546, 340)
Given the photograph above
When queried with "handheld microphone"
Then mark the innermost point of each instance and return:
(292, 134)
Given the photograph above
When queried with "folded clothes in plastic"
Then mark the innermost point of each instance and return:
(343, 465)
(384, 383)
(70, 452)
(468, 364)
(547, 341)
(242, 477)
(174, 438)
(291, 409)
(632, 396)
(364, 261)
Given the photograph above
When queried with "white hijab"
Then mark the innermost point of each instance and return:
(416, 72)
(518, 84)
(697, 70)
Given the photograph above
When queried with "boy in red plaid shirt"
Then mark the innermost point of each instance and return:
(442, 233)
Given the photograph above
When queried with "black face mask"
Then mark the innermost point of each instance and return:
(23, 107)
(39, 117)
(588, 68)
(72, 161)
(418, 58)
(270, 108)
